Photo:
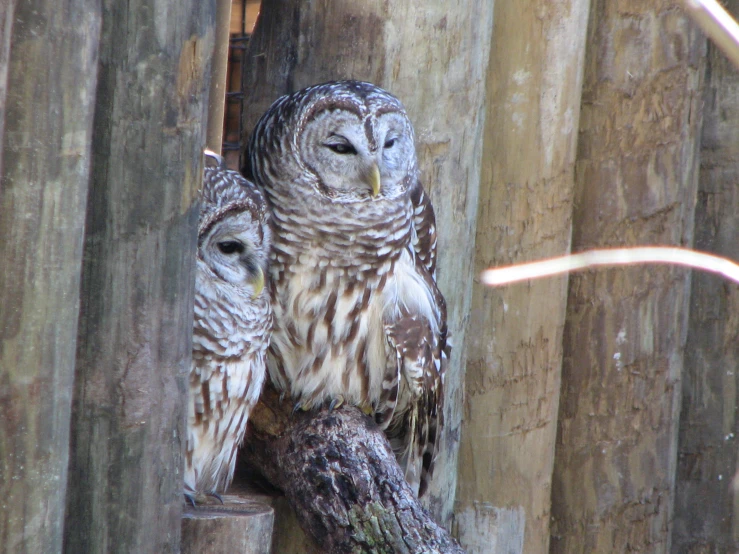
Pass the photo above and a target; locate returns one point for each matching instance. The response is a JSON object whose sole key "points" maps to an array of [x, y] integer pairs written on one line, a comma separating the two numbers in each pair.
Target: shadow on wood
{"points": [[340, 476]]}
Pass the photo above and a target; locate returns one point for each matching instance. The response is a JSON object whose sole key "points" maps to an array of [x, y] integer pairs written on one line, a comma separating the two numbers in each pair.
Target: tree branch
{"points": [[341, 478]]}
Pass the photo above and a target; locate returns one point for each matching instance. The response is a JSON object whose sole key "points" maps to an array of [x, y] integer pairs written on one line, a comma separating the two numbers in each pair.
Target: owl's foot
{"points": [[299, 406], [336, 403], [196, 498]]}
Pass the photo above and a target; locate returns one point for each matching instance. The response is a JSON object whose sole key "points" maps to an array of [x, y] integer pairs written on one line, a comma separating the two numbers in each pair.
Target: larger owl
{"points": [[358, 315], [232, 326]]}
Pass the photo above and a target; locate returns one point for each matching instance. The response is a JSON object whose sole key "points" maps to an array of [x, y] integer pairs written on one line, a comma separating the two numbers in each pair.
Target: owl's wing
{"points": [[418, 400], [424, 228]]}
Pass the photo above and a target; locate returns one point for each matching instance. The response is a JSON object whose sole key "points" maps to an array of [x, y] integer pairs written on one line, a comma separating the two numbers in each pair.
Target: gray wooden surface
{"points": [[48, 69], [133, 356], [706, 514]]}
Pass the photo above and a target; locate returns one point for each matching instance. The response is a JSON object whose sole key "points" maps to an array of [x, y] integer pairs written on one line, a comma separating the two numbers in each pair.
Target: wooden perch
{"points": [[341, 478]]}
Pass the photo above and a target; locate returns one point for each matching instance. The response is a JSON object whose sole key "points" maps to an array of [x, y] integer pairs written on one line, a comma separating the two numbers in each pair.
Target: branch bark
{"points": [[341, 478]]}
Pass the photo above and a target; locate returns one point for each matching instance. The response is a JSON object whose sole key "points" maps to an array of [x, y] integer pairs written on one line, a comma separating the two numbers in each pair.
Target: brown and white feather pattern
{"points": [[358, 314], [232, 326]]}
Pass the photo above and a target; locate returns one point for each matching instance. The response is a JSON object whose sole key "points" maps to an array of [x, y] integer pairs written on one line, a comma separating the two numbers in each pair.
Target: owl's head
{"points": [[233, 231], [352, 141]]}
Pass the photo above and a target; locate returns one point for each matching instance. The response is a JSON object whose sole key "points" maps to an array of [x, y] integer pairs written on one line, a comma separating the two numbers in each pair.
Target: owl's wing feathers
{"points": [[412, 410], [424, 228], [411, 405]]}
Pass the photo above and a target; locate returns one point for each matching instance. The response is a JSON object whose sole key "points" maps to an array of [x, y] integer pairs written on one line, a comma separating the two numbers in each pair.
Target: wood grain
{"points": [[48, 71], [134, 345], [624, 340]]}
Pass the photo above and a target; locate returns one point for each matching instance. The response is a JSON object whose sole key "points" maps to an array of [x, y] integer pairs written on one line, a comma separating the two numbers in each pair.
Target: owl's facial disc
{"points": [[230, 253], [355, 159]]}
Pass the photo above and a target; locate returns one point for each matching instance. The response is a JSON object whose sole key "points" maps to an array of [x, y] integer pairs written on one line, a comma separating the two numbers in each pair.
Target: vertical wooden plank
{"points": [[514, 360], [217, 95], [625, 334], [706, 509], [48, 69], [433, 56], [138, 275]]}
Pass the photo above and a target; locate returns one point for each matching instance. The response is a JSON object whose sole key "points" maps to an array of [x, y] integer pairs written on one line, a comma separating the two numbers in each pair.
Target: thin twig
{"points": [[612, 257], [716, 22]]}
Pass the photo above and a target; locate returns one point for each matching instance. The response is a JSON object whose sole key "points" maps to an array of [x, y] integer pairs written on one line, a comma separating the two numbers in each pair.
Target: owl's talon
{"points": [[214, 494], [189, 497], [298, 406], [335, 403]]}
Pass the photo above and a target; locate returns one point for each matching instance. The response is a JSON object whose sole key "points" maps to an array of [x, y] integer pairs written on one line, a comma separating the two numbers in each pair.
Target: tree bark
{"points": [[48, 70], [433, 56], [625, 334], [707, 449], [135, 329], [515, 355], [340, 476]]}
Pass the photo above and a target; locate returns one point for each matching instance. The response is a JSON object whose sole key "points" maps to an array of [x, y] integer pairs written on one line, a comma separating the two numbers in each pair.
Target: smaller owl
{"points": [[232, 326]]}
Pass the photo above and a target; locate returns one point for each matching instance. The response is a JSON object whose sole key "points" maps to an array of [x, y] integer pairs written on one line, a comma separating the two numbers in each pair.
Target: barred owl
{"points": [[232, 326], [358, 315]]}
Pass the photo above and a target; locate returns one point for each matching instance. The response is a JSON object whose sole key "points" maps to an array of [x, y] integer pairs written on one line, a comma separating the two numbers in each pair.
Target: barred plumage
{"points": [[232, 326], [358, 315]]}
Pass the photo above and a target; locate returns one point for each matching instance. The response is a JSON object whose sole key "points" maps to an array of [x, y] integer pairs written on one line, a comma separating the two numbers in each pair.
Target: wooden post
{"points": [[48, 70], [134, 346], [515, 354], [706, 511], [217, 95], [433, 56], [240, 525], [625, 334]]}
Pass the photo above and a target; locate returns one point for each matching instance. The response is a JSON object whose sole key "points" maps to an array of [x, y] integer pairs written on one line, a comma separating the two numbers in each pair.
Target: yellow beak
{"points": [[257, 282], [373, 179]]}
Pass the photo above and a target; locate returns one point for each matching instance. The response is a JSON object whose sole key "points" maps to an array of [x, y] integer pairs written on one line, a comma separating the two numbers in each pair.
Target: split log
{"points": [[340, 476]]}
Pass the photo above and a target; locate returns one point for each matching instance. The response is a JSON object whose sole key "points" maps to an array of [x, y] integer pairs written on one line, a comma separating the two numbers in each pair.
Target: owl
{"points": [[232, 326], [358, 315]]}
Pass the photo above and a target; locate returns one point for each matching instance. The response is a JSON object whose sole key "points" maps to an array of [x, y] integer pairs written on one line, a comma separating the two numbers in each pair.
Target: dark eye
{"points": [[389, 143], [341, 148], [231, 247]]}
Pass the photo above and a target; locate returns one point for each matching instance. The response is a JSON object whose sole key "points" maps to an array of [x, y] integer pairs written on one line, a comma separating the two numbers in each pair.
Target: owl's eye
{"points": [[389, 143], [341, 147], [231, 247]]}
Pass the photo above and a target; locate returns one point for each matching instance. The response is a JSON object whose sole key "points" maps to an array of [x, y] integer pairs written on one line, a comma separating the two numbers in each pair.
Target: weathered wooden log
{"points": [[48, 71], [515, 357], [340, 476], [707, 458], [624, 338], [135, 326]]}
